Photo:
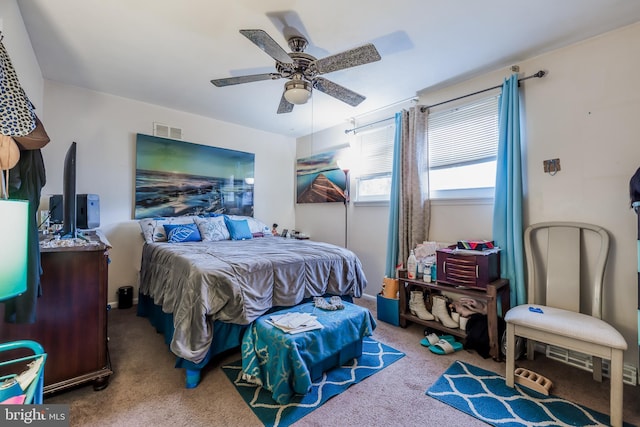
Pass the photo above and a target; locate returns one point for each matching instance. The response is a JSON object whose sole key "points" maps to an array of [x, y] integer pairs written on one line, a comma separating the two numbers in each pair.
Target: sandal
{"points": [[432, 338], [445, 347]]}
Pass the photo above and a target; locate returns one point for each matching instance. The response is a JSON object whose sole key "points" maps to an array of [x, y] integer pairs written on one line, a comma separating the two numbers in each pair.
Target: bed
{"points": [[203, 292]]}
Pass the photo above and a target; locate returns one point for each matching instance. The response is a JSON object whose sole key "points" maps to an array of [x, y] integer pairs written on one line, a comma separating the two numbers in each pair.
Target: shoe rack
{"points": [[494, 293]]}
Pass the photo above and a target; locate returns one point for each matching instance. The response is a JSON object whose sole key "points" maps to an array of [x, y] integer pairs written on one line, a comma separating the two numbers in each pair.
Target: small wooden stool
{"points": [[532, 380]]}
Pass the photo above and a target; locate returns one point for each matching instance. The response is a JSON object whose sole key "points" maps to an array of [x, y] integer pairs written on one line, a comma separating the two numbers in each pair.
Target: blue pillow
{"points": [[238, 229], [178, 233]]}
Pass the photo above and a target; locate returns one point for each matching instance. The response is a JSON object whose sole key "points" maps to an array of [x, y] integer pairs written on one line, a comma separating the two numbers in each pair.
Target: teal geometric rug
{"points": [[485, 396], [375, 357]]}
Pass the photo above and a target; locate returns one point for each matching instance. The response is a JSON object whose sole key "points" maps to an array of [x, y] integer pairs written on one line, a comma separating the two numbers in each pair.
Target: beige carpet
{"points": [[146, 390]]}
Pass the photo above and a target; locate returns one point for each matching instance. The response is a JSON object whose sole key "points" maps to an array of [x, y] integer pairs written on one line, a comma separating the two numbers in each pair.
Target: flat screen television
{"points": [[69, 230]]}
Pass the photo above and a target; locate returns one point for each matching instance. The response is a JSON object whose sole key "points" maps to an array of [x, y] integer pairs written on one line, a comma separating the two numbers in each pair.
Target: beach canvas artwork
{"points": [[175, 178], [319, 179]]}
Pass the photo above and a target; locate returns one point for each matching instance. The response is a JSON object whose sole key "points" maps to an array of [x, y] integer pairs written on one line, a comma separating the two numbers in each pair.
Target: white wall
{"points": [[585, 112], [105, 127], [16, 41]]}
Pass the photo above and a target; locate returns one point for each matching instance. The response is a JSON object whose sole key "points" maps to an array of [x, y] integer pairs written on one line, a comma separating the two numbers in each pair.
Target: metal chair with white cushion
{"points": [[561, 256]]}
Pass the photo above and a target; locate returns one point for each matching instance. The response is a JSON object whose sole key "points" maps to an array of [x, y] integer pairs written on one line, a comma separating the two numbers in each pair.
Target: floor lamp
{"points": [[14, 229], [342, 165]]}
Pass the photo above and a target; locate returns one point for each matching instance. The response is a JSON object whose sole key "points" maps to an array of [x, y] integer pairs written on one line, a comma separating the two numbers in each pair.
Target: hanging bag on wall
{"points": [[35, 140], [16, 111]]}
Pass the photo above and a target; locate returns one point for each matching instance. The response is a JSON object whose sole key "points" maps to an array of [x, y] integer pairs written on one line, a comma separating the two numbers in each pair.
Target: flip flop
{"points": [[432, 338], [445, 347]]}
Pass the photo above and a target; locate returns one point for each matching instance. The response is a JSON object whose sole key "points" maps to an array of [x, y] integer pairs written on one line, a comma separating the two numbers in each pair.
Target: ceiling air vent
{"points": [[166, 131]]}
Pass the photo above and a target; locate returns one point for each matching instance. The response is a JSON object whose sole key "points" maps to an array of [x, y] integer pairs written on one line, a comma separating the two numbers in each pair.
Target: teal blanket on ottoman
{"points": [[286, 364]]}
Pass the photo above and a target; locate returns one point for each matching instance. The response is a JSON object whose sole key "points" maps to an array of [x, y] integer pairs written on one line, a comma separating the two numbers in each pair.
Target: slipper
{"points": [[432, 338], [445, 347]]}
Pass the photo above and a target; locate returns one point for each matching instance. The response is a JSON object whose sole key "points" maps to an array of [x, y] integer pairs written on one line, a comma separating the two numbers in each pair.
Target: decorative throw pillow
{"points": [[153, 228], [238, 229], [212, 229], [178, 233], [255, 225]]}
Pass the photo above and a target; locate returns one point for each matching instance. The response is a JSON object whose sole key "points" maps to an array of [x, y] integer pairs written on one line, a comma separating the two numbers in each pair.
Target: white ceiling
{"points": [[165, 52]]}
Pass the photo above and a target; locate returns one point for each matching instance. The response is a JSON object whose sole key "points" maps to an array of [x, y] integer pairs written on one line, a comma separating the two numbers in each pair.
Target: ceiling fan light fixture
{"points": [[297, 91]]}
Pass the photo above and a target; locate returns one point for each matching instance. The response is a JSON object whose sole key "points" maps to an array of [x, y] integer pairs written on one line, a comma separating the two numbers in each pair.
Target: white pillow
{"points": [[255, 225], [212, 229], [153, 228]]}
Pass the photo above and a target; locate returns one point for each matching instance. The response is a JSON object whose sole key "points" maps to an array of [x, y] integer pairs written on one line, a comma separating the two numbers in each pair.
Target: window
{"points": [[373, 182], [463, 146]]}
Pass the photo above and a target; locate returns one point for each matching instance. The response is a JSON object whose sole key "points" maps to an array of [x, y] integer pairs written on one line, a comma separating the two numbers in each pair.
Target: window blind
{"points": [[464, 135], [376, 151]]}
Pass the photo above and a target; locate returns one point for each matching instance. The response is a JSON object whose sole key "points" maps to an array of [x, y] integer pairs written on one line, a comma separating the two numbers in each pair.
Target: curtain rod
{"points": [[539, 74], [352, 119], [424, 108], [368, 124], [393, 104]]}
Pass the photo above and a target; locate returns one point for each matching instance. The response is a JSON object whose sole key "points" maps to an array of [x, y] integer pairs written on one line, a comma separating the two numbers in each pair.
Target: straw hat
{"points": [[9, 152]]}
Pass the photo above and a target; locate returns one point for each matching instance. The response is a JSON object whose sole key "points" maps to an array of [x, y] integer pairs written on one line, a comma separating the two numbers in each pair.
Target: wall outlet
{"points": [[551, 166]]}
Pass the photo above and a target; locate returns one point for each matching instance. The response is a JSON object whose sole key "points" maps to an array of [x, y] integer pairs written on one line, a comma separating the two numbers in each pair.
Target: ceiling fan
{"points": [[304, 70]]}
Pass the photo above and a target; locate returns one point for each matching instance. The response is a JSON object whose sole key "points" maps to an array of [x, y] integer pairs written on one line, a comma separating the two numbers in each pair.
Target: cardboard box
{"points": [[390, 288], [389, 310]]}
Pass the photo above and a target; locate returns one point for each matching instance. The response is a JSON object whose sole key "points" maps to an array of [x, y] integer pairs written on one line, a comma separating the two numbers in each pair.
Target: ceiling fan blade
{"points": [[228, 81], [285, 106], [264, 41], [337, 91], [347, 59]]}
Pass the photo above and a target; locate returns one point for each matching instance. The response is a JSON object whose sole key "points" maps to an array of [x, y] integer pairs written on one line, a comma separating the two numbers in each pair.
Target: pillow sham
{"points": [[238, 229], [212, 229], [179, 233], [153, 228]]}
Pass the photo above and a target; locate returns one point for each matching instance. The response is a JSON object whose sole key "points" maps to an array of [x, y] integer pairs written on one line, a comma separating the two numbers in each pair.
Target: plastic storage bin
{"points": [[389, 310], [34, 392]]}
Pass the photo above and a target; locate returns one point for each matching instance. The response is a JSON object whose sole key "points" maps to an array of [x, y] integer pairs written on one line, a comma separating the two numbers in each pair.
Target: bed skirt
{"points": [[227, 336]]}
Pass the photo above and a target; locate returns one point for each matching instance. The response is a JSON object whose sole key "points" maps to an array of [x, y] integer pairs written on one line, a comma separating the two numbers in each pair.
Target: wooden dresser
{"points": [[71, 321]]}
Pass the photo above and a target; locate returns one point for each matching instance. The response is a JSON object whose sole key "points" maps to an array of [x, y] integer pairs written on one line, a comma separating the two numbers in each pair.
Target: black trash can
{"points": [[125, 297]]}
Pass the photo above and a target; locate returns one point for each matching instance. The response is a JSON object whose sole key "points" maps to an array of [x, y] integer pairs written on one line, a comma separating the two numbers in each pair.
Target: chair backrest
{"points": [[562, 258]]}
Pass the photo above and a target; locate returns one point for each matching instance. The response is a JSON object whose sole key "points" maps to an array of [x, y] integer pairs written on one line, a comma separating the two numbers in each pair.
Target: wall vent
{"points": [[166, 131], [583, 361]]}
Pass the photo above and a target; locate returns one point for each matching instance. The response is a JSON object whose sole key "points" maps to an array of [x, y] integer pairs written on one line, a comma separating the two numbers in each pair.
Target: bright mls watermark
{"points": [[34, 415]]}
